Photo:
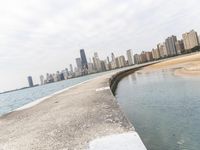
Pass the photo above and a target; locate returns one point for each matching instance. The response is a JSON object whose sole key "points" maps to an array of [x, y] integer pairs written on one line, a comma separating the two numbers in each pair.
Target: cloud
{"points": [[39, 36]]}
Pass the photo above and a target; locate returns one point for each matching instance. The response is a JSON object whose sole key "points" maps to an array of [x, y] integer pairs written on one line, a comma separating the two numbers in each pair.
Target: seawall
{"points": [[83, 117], [115, 79]]}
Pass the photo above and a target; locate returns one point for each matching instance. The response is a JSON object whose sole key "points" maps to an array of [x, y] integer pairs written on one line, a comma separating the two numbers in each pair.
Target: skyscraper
{"points": [[97, 62], [41, 79], [180, 47], [109, 63], [113, 62], [143, 57], [96, 55], [137, 59], [83, 59], [155, 53], [103, 65], [190, 40], [91, 68], [71, 68], [170, 43], [30, 81], [149, 56], [130, 57], [122, 61], [162, 50], [78, 63]]}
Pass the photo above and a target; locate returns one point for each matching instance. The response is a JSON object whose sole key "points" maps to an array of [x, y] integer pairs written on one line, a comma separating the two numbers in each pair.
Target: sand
{"points": [[185, 66]]}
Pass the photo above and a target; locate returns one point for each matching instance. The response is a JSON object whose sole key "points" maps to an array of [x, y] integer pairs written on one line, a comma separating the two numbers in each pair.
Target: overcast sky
{"points": [[40, 36]]}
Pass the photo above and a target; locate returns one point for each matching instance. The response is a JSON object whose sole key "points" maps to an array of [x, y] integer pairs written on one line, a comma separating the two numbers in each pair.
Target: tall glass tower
{"points": [[83, 59], [30, 81]]}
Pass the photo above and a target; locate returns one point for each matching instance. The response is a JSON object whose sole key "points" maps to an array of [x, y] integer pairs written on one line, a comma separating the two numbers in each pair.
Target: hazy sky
{"points": [[40, 36]]}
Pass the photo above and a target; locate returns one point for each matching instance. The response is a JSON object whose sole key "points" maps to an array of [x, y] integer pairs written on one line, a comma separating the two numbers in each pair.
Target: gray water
{"points": [[13, 100], [163, 108]]}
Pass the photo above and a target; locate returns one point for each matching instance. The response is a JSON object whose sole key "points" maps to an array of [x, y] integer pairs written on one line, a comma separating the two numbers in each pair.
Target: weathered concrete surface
{"points": [[69, 120], [65, 121]]}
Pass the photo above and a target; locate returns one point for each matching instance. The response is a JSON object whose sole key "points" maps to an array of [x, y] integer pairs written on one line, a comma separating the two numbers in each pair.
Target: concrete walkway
{"points": [[69, 120], [65, 121]]}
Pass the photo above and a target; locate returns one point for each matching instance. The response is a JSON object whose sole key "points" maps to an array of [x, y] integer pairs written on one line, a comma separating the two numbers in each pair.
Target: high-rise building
{"points": [[108, 60], [155, 53], [78, 63], [71, 68], [62, 76], [130, 57], [91, 68], [41, 79], [113, 62], [199, 39], [137, 59], [117, 63], [162, 50], [143, 57], [58, 76], [54, 78], [103, 65], [97, 62], [190, 40], [180, 46], [109, 63], [149, 56], [96, 55], [83, 60], [30, 81], [171, 46], [78, 72], [67, 71], [122, 61]]}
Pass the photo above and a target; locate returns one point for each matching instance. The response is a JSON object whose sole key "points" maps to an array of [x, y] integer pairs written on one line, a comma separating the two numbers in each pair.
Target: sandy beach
{"points": [[185, 66]]}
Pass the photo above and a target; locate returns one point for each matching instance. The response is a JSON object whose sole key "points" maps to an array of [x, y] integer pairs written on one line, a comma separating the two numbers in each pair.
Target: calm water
{"points": [[11, 101], [164, 109]]}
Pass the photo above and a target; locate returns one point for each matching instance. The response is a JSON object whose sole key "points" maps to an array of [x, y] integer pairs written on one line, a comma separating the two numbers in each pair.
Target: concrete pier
{"points": [[81, 117]]}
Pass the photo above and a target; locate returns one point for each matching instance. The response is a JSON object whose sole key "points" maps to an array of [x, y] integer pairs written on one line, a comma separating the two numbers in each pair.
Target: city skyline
{"points": [[169, 48], [37, 43]]}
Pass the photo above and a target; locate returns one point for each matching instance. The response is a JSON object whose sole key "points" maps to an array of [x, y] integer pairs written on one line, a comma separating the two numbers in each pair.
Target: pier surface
{"points": [[73, 119]]}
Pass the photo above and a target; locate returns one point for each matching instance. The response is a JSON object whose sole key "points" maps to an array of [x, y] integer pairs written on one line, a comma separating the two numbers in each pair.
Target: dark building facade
{"points": [[170, 43], [83, 59], [30, 81]]}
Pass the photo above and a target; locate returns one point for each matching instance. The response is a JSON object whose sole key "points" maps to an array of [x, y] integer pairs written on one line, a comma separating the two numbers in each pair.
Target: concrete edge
{"points": [[138, 144], [117, 77], [123, 141]]}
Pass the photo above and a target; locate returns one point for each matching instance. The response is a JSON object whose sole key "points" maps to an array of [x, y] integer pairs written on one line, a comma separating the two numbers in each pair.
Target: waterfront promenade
{"points": [[73, 119], [86, 116]]}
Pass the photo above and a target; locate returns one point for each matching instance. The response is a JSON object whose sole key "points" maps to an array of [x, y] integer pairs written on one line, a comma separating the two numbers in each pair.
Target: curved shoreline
{"points": [[87, 110], [82, 114], [37, 101], [81, 117]]}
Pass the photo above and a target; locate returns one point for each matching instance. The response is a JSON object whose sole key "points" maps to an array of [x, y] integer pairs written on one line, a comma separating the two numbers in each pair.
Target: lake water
{"points": [[13, 100], [163, 108]]}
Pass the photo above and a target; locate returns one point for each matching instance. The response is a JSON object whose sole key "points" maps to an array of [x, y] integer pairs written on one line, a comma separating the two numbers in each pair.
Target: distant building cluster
{"points": [[169, 48], [85, 67]]}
